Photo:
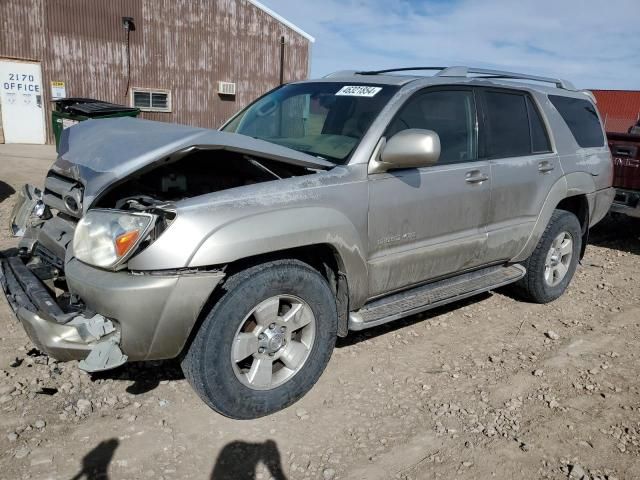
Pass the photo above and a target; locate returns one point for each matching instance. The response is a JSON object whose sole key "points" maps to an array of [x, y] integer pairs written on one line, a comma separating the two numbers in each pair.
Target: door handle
{"points": [[475, 176], [545, 166]]}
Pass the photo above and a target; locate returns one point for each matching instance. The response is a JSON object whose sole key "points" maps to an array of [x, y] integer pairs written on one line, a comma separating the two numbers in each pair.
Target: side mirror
{"points": [[410, 148]]}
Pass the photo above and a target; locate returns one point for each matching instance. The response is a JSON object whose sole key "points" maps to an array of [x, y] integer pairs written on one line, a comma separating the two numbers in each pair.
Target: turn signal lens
{"points": [[125, 242]]}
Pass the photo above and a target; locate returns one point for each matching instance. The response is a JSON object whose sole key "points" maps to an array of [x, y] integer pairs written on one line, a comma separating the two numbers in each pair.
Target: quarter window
{"points": [[449, 113], [581, 118], [539, 138]]}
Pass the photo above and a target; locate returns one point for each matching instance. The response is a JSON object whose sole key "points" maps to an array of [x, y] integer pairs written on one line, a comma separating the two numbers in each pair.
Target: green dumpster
{"points": [[69, 111]]}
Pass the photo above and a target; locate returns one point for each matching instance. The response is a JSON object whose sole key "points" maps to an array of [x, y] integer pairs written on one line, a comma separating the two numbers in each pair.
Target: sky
{"points": [[592, 43]]}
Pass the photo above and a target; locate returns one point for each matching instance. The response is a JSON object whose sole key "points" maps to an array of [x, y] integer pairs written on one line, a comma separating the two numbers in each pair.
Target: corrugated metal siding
{"points": [[178, 45], [619, 109]]}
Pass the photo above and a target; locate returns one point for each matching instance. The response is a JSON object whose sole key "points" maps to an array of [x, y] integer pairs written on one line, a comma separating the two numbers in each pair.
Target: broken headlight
{"points": [[106, 238]]}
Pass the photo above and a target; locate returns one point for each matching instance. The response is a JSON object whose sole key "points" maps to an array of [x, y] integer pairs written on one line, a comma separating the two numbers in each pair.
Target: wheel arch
{"points": [[571, 193]]}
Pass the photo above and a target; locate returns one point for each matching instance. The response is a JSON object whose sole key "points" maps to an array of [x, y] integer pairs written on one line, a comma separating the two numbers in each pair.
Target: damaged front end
{"points": [[109, 196], [64, 335]]}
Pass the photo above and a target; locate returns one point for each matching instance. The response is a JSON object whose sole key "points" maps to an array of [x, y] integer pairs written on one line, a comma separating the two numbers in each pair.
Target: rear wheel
{"points": [[265, 342], [552, 264]]}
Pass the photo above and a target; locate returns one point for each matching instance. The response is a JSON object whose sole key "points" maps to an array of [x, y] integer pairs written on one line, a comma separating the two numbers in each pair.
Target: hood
{"points": [[98, 153]]}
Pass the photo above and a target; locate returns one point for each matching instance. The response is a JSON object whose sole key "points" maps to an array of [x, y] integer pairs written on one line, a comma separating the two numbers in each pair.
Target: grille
{"points": [[63, 194]]}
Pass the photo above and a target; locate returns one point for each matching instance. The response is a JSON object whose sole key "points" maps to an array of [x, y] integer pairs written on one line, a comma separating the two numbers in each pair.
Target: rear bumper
{"points": [[627, 202], [599, 204]]}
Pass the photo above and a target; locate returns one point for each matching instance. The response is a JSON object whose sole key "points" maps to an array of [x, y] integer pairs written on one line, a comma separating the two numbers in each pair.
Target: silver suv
{"points": [[325, 206]]}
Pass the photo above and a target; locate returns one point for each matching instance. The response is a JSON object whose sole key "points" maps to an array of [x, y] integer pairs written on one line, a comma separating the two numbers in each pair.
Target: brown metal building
{"points": [[171, 60]]}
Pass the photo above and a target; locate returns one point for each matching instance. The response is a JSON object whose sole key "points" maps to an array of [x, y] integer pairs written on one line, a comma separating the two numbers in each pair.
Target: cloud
{"points": [[593, 43]]}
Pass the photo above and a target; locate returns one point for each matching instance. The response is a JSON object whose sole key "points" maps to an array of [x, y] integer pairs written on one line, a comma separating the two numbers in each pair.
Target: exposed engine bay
{"points": [[54, 214], [191, 174]]}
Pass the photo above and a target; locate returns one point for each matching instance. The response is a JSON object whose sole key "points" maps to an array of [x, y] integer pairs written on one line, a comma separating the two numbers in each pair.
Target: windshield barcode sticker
{"points": [[358, 91]]}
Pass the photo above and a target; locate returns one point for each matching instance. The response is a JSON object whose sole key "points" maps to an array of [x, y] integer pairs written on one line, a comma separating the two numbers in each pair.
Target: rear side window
{"points": [[506, 125], [581, 118]]}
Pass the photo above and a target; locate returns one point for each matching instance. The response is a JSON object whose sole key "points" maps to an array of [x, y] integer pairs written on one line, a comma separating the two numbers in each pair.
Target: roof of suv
{"points": [[448, 75]]}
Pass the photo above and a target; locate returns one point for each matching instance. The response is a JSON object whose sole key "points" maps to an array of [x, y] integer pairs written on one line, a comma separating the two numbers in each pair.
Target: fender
{"points": [[576, 183], [268, 232]]}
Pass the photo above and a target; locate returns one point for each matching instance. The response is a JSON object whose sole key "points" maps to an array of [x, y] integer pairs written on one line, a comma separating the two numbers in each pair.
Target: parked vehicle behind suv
{"points": [[323, 207], [625, 148]]}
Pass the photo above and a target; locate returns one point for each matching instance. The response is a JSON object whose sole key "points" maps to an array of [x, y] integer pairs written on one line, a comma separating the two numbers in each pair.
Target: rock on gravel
{"points": [[21, 452], [552, 335], [577, 472], [84, 407], [7, 390], [329, 474]]}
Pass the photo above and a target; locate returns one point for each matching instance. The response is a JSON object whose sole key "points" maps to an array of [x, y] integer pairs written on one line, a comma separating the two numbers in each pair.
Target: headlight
{"points": [[105, 238]]}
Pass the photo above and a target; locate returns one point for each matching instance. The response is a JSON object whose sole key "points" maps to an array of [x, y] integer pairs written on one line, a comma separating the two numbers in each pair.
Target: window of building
{"points": [[149, 100], [449, 113], [581, 118]]}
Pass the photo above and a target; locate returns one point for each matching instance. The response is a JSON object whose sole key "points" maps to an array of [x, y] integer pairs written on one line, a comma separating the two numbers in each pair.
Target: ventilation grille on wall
{"points": [[226, 88]]}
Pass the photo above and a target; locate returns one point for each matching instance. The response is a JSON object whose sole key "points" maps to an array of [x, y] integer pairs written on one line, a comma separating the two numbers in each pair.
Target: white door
{"points": [[21, 102]]}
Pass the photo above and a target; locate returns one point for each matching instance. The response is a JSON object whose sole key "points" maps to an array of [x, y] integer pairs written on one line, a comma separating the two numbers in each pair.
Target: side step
{"points": [[433, 295]]}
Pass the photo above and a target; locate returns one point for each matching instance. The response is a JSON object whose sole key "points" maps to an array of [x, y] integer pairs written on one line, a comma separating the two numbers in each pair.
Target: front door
{"points": [[430, 222], [21, 102]]}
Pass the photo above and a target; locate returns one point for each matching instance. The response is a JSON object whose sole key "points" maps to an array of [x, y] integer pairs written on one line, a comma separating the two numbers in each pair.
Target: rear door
{"points": [[515, 141], [429, 222]]}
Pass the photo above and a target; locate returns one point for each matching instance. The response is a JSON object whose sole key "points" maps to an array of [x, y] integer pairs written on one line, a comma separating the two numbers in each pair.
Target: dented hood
{"points": [[98, 153]]}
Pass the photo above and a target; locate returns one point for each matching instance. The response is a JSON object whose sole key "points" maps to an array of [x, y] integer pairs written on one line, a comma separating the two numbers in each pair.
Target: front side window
{"points": [[449, 113], [581, 118], [325, 119]]}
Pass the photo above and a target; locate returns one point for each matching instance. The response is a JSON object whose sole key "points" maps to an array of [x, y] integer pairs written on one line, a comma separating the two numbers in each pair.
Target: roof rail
{"points": [[485, 72], [403, 69]]}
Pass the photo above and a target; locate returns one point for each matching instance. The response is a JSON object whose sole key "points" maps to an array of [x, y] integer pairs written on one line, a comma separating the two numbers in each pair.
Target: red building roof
{"points": [[619, 109]]}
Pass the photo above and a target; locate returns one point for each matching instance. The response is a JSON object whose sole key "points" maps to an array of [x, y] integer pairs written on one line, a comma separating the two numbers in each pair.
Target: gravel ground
{"points": [[489, 387]]}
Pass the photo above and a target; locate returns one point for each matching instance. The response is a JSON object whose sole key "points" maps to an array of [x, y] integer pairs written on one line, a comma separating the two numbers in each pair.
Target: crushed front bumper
{"points": [[63, 336]]}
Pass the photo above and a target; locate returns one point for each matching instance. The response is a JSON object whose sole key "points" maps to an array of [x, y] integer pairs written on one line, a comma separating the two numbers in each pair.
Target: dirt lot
{"points": [[486, 388]]}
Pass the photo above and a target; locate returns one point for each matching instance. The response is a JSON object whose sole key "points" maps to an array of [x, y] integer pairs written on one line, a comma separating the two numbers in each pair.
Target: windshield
{"points": [[324, 119]]}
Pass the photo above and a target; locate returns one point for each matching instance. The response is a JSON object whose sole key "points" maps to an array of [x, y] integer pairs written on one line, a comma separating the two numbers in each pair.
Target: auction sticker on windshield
{"points": [[358, 91]]}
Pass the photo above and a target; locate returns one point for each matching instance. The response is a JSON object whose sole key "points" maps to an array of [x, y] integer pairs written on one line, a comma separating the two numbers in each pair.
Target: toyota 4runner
{"points": [[323, 207]]}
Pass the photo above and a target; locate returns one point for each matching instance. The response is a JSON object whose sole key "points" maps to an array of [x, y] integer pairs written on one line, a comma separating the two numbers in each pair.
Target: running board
{"points": [[433, 295]]}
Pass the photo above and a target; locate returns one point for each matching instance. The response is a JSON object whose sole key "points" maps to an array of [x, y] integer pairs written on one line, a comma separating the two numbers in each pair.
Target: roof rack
{"points": [[485, 72]]}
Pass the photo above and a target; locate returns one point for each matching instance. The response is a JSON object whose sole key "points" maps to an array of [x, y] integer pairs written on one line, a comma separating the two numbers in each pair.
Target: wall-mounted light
{"points": [[128, 24]]}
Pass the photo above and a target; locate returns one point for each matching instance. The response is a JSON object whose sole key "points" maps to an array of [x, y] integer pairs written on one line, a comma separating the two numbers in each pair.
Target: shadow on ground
{"points": [[6, 191], [95, 464], [146, 376], [617, 232], [238, 461]]}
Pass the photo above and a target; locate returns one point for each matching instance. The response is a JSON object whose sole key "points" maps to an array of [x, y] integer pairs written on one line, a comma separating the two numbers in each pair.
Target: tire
{"points": [[249, 299], [540, 284]]}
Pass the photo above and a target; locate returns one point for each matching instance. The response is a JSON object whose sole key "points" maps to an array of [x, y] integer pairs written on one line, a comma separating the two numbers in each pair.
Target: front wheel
{"points": [[552, 264], [265, 342]]}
